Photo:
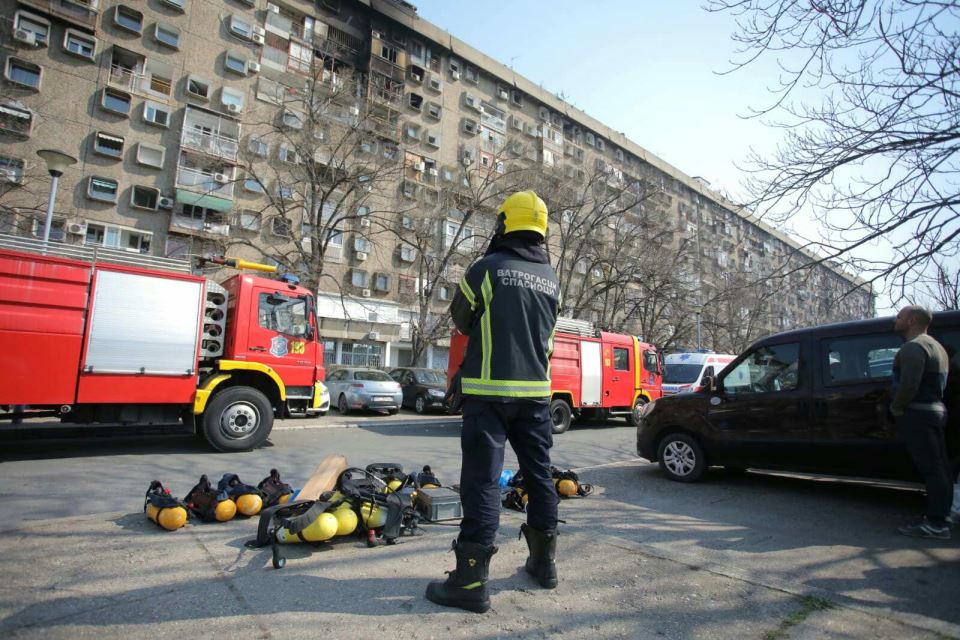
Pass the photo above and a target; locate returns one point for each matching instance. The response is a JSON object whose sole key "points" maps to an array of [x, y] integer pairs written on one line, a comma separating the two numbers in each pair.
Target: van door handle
{"points": [[615, 379], [258, 348]]}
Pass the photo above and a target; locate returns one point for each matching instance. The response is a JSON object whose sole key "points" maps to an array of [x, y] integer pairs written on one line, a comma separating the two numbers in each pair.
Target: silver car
{"points": [[356, 388]]}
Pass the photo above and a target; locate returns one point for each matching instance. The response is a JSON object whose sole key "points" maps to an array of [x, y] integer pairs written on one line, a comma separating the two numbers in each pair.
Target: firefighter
{"points": [[507, 304]]}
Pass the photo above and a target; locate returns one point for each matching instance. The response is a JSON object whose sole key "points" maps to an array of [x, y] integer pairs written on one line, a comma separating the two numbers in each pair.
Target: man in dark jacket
{"points": [[919, 378], [507, 304]]}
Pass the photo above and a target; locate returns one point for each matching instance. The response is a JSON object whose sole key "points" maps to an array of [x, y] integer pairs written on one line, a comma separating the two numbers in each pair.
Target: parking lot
{"points": [[747, 556]]}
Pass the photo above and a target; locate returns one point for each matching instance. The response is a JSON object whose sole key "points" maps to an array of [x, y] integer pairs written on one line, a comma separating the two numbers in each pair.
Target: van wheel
{"points": [[634, 418], [560, 415], [681, 457], [237, 419]]}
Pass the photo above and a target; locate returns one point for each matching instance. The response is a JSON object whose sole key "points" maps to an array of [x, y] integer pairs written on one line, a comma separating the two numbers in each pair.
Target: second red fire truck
{"points": [[594, 374]]}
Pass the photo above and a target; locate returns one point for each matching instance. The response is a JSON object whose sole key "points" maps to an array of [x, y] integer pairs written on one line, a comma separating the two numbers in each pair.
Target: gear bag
{"points": [[203, 500], [162, 508], [274, 490]]}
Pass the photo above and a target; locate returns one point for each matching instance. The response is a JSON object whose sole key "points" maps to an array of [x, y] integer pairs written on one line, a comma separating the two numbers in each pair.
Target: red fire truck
{"points": [[111, 337], [594, 374]]}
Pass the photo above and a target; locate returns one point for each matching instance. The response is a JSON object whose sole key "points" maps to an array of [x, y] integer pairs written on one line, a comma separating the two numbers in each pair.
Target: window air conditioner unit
{"points": [[467, 161], [258, 38], [362, 255], [258, 31], [29, 37], [432, 171], [77, 228], [419, 166], [165, 203], [222, 178], [272, 8], [9, 175], [365, 293], [234, 108], [364, 223], [373, 335], [455, 75], [253, 67]]}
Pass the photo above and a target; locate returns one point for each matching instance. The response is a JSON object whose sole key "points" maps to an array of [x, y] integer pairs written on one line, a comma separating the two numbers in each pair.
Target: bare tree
{"points": [[447, 230], [318, 171], [941, 288], [876, 159]]}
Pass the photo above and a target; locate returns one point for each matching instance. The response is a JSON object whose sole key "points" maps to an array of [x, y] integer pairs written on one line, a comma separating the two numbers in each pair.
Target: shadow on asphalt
{"points": [[849, 529]]}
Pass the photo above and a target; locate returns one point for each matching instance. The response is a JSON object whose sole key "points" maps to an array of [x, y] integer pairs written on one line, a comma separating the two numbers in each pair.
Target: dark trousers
{"points": [[923, 433], [486, 428]]}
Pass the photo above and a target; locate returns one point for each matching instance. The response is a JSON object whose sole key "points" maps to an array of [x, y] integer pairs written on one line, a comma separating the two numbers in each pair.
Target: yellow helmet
{"points": [[524, 211]]}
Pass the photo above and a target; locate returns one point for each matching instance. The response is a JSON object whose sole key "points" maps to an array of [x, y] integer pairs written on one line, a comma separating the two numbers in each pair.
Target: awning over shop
{"points": [[204, 200]]}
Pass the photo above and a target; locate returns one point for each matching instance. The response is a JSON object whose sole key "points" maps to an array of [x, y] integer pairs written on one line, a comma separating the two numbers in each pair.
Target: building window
{"points": [[156, 114], [516, 98], [285, 191], [241, 28], [445, 292], [381, 282], [116, 101], [249, 220], [31, 28], [408, 253], [167, 35], [253, 185], [150, 155], [415, 100], [292, 119], [258, 146], [235, 62], [198, 88], [362, 355], [412, 132], [231, 99], [79, 44], [434, 111], [128, 19], [102, 189], [58, 231], [288, 154], [470, 74], [142, 197], [108, 145], [117, 238], [23, 73], [11, 170], [177, 5], [15, 120], [359, 278]]}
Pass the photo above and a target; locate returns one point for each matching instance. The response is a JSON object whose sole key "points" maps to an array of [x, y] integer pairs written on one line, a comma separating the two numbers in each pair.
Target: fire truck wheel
{"points": [[237, 419], [681, 457], [560, 415], [634, 419]]}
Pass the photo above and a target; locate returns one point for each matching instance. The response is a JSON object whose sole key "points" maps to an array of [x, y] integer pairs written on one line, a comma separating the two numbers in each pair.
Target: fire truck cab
{"points": [[593, 374], [109, 337]]}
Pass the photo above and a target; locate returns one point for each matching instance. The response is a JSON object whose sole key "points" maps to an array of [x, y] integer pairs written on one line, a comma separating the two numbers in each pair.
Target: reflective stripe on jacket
{"points": [[508, 308]]}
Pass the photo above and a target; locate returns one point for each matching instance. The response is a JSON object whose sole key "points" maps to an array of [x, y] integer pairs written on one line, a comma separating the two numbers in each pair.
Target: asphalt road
{"points": [[44, 479], [736, 556]]}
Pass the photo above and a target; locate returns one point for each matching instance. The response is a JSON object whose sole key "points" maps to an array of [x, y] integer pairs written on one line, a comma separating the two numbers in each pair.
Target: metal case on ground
{"points": [[439, 504]]}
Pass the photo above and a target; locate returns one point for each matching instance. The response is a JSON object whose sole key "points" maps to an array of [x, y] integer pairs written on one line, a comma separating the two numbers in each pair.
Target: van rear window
{"points": [[858, 358]]}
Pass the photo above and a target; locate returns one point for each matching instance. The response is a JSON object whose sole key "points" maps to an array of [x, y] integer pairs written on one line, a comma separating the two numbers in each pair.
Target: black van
{"points": [[811, 400]]}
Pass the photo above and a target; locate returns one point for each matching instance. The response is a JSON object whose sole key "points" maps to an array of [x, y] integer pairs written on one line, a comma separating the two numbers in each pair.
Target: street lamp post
{"points": [[57, 162]]}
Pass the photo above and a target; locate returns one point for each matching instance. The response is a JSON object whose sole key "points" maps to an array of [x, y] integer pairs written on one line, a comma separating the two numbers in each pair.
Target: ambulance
{"points": [[685, 371]]}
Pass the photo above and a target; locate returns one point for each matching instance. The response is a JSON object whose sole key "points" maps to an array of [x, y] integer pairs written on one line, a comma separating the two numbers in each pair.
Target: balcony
{"points": [[205, 227], [137, 82], [204, 181], [210, 134], [79, 12], [216, 145]]}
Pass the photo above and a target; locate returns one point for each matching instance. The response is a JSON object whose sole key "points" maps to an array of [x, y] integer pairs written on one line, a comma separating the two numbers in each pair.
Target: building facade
{"points": [[179, 114]]}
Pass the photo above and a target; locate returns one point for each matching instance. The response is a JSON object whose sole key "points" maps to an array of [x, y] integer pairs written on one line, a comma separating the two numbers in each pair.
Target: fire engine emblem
{"points": [[278, 346]]}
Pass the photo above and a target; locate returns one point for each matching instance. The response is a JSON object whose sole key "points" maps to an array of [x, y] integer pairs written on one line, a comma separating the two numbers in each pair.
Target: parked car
{"points": [[810, 400], [686, 371], [358, 388], [423, 389]]}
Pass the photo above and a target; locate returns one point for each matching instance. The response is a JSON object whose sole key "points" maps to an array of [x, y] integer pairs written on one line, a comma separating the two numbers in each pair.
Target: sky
{"points": [[653, 70]]}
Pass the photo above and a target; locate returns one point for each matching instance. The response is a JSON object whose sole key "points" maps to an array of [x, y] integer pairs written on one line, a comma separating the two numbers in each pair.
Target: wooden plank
{"points": [[324, 478]]}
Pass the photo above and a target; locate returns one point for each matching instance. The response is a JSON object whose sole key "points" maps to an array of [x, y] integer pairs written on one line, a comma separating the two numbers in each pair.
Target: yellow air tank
{"points": [[373, 516], [249, 504], [225, 510], [170, 518], [567, 488], [323, 528], [346, 521]]}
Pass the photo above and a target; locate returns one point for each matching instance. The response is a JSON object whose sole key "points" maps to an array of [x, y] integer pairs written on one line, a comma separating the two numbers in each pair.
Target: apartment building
{"points": [[171, 108]]}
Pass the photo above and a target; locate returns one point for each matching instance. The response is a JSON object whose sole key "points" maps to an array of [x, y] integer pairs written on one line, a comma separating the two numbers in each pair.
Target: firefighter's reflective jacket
{"points": [[507, 304]]}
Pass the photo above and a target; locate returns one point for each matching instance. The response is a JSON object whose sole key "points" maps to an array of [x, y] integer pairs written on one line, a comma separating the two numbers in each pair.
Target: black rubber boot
{"points": [[465, 586], [543, 553]]}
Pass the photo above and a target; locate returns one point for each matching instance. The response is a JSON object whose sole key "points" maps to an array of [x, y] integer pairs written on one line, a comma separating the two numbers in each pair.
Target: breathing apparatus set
{"points": [[377, 504], [214, 504], [568, 485]]}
